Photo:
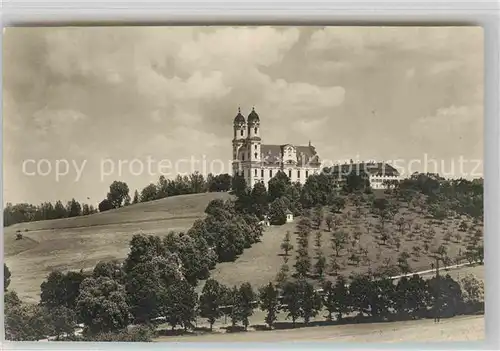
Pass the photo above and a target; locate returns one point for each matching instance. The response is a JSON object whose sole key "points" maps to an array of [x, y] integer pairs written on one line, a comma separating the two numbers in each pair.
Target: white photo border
{"points": [[392, 12]]}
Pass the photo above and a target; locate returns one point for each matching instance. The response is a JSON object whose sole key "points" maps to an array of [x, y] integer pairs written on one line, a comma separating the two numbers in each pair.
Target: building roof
{"points": [[371, 168], [253, 116], [239, 119], [273, 155]]}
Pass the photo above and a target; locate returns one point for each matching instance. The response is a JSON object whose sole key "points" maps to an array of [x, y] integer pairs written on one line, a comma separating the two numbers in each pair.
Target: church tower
{"points": [[254, 144], [239, 137]]}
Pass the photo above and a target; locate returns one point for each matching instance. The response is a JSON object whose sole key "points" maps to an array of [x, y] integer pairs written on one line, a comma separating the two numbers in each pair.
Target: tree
{"points": [[59, 210], [111, 269], [86, 210], [239, 185], [26, 322], [210, 301], [277, 211], [149, 193], [412, 297], [269, 302], [179, 304], [356, 180], [338, 203], [278, 186], [220, 182], [317, 217], [339, 239], [291, 302], [473, 292], [403, 264], [360, 293], [329, 222], [126, 201], [102, 305], [320, 265], [246, 297], [118, 191], [282, 275], [63, 321], [6, 277], [286, 246], [259, 200], [61, 289], [147, 284], [303, 261], [310, 301], [197, 183], [105, 205], [74, 209], [136, 197], [336, 298], [447, 293]]}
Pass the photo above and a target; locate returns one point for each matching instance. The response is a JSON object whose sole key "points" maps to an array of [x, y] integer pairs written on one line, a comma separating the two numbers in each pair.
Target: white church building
{"points": [[259, 162]]}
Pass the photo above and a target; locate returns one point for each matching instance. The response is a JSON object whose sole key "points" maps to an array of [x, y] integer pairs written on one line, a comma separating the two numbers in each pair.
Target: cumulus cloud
{"points": [[460, 126], [172, 92]]}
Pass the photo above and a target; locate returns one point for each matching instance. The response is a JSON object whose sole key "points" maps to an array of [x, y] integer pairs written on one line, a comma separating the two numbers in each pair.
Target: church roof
{"points": [[253, 117], [373, 168], [273, 155], [239, 119]]}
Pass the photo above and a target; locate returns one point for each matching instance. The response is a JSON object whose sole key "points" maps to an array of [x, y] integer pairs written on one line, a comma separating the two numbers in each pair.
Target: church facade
{"points": [[259, 162]]}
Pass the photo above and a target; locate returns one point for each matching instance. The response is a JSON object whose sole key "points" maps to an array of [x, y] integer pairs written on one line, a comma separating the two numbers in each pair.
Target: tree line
{"points": [[118, 196], [106, 302], [157, 278]]}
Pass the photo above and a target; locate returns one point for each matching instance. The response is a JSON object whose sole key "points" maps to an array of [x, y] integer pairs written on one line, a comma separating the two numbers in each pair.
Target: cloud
{"points": [[453, 130], [172, 92], [50, 122], [362, 40], [243, 47]]}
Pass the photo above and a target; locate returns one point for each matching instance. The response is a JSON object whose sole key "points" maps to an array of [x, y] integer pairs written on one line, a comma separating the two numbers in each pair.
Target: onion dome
{"points": [[239, 119], [253, 117]]}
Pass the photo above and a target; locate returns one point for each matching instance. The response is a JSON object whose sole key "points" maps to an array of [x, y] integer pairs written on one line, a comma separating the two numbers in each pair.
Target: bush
{"points": [[134, 334]]}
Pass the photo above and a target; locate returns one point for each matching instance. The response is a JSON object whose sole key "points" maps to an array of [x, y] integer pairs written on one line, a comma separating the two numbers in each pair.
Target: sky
{"points": [[84, 106]]}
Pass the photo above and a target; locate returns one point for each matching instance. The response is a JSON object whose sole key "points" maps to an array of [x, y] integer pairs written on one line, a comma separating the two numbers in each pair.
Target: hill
{"points": [[80, 242], [410, 228]]}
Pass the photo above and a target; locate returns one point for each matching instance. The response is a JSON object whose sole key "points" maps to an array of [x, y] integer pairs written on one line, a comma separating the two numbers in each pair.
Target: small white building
{"points": [[289, 216], [265, 222]]}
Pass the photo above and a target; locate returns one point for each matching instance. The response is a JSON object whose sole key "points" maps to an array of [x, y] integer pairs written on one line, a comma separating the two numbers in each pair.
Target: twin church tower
{"points": [[259, 162]]}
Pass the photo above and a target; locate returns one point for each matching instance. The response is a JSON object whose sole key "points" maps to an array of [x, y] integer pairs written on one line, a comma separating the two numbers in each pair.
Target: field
{"points": [[468, 328], [80, 242]]}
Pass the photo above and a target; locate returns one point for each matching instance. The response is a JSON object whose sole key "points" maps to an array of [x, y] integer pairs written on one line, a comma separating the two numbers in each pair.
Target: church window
{"points": [[307, 174], [255, 155], [243, 157], [298, 174], [255, 147], [256, 172], [255, 130], [270, 173], [262, 173], [241, 132], [290, 174]]}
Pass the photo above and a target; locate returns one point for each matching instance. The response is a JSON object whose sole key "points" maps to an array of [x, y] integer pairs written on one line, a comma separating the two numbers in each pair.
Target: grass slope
{"points": [[81, 242], [260, 264]]}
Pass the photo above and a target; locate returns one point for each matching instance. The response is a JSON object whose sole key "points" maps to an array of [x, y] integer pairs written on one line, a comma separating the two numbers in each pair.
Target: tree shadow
{"points": [[234, 329]]}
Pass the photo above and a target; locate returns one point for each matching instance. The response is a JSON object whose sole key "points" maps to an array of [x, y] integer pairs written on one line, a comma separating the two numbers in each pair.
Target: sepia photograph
{"points": [[243, 183]]}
